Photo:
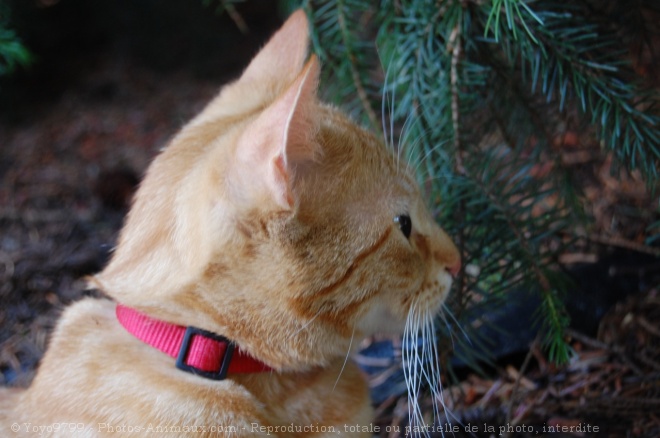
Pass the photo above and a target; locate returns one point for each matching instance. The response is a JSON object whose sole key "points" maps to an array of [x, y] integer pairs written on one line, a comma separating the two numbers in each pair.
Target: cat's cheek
{"points": [[442, 287], [380, 319], [433, 292]]}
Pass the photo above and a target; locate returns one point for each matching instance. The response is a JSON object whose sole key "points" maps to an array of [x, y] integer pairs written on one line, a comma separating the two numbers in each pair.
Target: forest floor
{"points": [[69, 166]]}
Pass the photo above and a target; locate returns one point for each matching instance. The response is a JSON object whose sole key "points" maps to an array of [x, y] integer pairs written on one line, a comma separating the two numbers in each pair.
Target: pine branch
{"points": [[564, 53], [229, 7], [477, 92], [454, 46], [355, 74], [508, 232], [654, 231], [13, 53], [347, 51]]}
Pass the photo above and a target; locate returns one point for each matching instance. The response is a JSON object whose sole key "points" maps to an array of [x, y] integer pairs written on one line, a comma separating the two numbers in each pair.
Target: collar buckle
{"points": [[181, 364]]}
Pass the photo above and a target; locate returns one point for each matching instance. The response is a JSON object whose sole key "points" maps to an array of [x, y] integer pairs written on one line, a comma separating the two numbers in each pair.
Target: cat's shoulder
{"points": [[87, 315]]}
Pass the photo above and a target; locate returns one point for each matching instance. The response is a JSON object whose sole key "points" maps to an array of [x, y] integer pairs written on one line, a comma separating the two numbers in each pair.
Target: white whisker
{"points": [[420, 135], [458, 324], [383, 100], [413, 145], [449, 329], [348, 353], [304, 326], [392, 115], [411, 366], [428, 154], [421, 365], [401, 143]]}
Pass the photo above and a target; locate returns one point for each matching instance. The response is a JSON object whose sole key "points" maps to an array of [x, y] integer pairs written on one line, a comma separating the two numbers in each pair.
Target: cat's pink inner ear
{"points": [[284, 54], [282, 138]]}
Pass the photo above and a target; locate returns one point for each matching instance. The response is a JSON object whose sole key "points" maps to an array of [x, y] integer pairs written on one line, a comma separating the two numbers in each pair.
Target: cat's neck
{"points": [[248, 323]]}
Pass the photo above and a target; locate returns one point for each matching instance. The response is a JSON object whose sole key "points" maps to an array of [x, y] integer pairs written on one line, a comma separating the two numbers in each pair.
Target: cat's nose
{"points": [[447, 254], [454, 268]]}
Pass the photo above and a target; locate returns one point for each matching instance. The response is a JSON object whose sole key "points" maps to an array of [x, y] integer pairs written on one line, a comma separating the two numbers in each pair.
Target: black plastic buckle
{"points": [[185, 347]]}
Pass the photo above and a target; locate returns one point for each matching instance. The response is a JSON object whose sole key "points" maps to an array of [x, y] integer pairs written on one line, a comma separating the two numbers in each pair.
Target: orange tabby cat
{"points": [[274, 221]]}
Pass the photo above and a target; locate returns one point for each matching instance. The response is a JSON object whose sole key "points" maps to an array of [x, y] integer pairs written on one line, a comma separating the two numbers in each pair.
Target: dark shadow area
{"points": [[69, 38]]}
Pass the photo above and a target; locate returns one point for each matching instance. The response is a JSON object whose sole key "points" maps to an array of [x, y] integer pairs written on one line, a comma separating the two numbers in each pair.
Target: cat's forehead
{"points": [[367, 149]]}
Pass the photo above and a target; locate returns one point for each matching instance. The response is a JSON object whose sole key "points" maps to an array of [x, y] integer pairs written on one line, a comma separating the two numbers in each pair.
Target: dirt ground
{"points": [[70, 160]]}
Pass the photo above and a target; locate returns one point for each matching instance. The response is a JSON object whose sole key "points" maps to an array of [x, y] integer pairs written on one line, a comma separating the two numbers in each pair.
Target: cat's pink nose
{"points": [[454, 269]]}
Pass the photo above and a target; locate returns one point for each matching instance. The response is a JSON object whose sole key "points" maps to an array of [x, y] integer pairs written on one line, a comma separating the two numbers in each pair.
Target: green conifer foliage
{"points": [[12, 52], [472, 93]]}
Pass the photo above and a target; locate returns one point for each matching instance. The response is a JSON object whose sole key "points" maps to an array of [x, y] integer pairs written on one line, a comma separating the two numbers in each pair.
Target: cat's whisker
{"points": [[392, 115], [428, 334], [436, 384], [389, 110], [388, 102], [383, 100], [412, 147], [447, 310], [449, 329], [450, 417], [428, 154], [413, 365], [348, 353], [420, 135], [438, 396], [422, 364], [405, 129], [401, 143], [304, 326]]}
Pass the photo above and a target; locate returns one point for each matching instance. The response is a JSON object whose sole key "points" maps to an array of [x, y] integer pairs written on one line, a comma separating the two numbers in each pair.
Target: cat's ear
{"points": [[273, 69], [280, 140], [284, 54]]}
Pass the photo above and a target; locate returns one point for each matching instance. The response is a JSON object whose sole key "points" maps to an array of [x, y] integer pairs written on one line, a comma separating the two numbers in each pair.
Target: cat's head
{"points": [[274, 220]]}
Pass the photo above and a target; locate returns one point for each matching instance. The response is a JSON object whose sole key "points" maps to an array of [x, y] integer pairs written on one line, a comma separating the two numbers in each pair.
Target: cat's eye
{"points": [[405, 224]]}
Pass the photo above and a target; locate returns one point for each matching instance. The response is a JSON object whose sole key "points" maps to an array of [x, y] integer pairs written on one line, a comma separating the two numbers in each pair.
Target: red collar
{"points": [[196, 351]]}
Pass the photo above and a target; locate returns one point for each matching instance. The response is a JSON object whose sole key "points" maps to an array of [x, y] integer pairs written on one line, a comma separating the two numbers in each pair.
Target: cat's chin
{"points": [[380, 320]]}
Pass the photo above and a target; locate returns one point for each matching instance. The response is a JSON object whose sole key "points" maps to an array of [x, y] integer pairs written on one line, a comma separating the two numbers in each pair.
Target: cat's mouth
{"points": [[384, 319], [445, 280]]}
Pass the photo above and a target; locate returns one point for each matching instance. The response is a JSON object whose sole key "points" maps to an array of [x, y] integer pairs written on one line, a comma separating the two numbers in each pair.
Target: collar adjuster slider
{"points": [[181, 364]]}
